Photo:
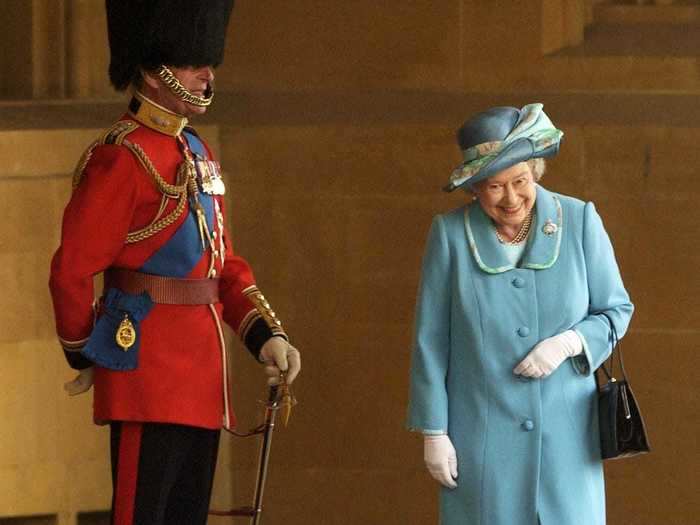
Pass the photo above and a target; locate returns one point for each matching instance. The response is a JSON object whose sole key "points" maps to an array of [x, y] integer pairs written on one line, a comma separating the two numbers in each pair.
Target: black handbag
{"points": [[622, 430]]}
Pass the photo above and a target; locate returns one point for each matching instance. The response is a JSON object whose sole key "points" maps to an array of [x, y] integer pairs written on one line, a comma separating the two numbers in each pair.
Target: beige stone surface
{"points": [[25, 303], [334, 45], [562, 24], [335, 144], [87, 51], [16, 59], [44, 152], [48, 44], [53, 458], [660, 365]]}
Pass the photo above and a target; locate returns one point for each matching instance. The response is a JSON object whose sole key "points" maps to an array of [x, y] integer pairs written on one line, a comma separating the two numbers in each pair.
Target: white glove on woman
{"points": [[81, 383], [441, 459], [280, 356], [549, 354]]}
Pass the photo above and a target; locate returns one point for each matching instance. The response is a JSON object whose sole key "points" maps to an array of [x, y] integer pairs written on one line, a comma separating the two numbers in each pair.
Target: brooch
{"points": [[549, 228]]}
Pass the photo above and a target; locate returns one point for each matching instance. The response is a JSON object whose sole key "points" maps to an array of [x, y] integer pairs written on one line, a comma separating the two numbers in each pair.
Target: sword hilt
{"points": [[272, 398]]}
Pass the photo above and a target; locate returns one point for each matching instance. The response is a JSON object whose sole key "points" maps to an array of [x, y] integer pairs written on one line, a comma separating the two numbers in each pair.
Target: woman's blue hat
{"points": [[499, 138]]}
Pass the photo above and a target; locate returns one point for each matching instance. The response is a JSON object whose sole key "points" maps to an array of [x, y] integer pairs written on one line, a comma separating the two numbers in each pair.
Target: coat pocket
{"points": [[114, 342]]}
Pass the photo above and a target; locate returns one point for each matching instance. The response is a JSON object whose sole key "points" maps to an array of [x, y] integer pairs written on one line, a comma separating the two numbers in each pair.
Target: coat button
{"points": [[523, 331], [528, 425], [518, 282]]}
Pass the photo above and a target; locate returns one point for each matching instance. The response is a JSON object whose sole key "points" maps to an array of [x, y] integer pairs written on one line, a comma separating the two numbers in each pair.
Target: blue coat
{"points": [[525, 448]]}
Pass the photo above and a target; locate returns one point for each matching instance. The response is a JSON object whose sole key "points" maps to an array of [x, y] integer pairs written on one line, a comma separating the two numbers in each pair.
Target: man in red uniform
{"points": [[147, 210]]}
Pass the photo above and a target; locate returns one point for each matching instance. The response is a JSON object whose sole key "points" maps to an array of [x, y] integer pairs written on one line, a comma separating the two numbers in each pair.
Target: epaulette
{"points": [[114, 135]]}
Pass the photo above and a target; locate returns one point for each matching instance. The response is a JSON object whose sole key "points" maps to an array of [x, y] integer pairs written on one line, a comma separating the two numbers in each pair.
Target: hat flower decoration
{"points": [[499, 138]]}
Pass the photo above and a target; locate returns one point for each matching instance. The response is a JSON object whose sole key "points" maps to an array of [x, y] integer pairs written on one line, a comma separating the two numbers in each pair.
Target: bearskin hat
{"points": [[149, 33]]}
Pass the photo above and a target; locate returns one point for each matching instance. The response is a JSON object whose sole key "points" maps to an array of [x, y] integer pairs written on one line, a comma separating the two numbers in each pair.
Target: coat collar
{"points": [[155, 116], [543, 243]]}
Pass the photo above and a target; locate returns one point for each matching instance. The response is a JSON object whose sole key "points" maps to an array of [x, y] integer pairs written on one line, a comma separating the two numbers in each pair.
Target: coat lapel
{"points": [[543, 244], [542, 249], [483, 243]]}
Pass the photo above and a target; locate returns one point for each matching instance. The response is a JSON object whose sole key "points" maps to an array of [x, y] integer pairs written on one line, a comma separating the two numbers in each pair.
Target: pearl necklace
{"points": [[522, 233]]}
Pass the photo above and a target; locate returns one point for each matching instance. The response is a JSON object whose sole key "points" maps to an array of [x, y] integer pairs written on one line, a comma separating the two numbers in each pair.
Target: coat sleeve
{"points": [[428, 404], [606, 294], [246, 310], [95, 225]]}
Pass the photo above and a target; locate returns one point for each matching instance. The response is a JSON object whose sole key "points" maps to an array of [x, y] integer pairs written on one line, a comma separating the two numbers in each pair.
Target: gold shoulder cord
{"points": [[169, 191], [114, 135], [117, 135]]}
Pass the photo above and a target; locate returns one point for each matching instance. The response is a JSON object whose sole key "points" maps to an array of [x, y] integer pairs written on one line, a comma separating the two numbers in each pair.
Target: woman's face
{"points": [[508, 196]]}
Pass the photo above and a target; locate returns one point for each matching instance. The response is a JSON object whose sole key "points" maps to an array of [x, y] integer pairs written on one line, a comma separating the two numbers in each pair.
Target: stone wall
{"points": [[335, 125]]}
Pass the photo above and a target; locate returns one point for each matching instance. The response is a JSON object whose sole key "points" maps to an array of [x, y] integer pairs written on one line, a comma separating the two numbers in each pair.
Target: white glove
{"points": [[549, 354], [280, 356], [440, 459], [81, 383]]}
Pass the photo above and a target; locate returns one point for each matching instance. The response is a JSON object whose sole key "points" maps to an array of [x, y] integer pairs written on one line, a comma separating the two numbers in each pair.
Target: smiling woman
{"points": [[509, 329], [508, 199]]}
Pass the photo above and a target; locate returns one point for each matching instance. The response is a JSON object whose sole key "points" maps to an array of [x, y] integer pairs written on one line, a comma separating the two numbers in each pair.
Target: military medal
{"points": [[210, 177], [549, 228], [126, 334]]}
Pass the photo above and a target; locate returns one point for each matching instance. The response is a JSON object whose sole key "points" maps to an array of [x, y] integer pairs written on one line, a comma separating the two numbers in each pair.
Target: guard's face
{"points": [[508, 196], [197, 80]]}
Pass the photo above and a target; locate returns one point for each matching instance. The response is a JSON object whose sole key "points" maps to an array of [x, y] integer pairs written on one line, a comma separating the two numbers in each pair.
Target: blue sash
{"points": [[176, 258]]}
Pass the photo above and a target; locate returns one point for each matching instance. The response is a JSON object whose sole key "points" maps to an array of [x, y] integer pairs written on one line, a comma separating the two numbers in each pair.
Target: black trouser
{"points": [[161, 473]]}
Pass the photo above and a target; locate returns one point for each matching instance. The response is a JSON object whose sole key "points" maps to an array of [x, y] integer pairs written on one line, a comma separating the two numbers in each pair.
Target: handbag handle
{"points": [[615, 340]]}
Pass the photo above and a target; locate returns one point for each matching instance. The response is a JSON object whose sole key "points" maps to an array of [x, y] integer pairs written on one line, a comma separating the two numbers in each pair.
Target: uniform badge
{"points": [[126, 334], [549, 227], [210, 177]]}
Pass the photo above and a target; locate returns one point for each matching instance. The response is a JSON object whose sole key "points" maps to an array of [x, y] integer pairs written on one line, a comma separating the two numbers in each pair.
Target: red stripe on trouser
{"points": [[127, 473]]}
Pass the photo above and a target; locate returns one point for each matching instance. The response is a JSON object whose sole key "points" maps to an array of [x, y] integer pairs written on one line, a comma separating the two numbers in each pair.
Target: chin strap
{"points": [[181, 91]]}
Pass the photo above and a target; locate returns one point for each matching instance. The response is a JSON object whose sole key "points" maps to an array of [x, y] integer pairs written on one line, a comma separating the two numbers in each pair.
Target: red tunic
{"points": [[181, 374]]}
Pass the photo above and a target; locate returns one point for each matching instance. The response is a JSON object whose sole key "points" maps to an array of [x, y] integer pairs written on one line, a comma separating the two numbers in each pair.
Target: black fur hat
{"points": [[150, 33]]}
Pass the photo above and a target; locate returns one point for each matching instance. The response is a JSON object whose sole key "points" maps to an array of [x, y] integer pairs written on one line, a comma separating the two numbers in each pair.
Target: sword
{"points": [[276, 398]]}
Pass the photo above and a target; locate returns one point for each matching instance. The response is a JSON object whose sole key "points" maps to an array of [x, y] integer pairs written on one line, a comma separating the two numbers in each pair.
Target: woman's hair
{"points": [[537, 166]]}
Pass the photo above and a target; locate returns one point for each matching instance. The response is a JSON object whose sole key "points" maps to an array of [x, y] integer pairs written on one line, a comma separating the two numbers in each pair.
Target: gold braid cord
{"points": [[181, 91], [262, 309], [80, 168], [116, 135], [168, 190]]}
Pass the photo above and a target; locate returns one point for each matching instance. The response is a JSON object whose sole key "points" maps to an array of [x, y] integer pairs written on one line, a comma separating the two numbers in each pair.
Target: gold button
{"points": [[278, 322], [272, 314], [266, 304]]}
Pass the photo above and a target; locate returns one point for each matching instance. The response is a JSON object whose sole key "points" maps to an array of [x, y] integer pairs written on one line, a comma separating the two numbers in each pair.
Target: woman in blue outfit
{"points": [[509, 334]]}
